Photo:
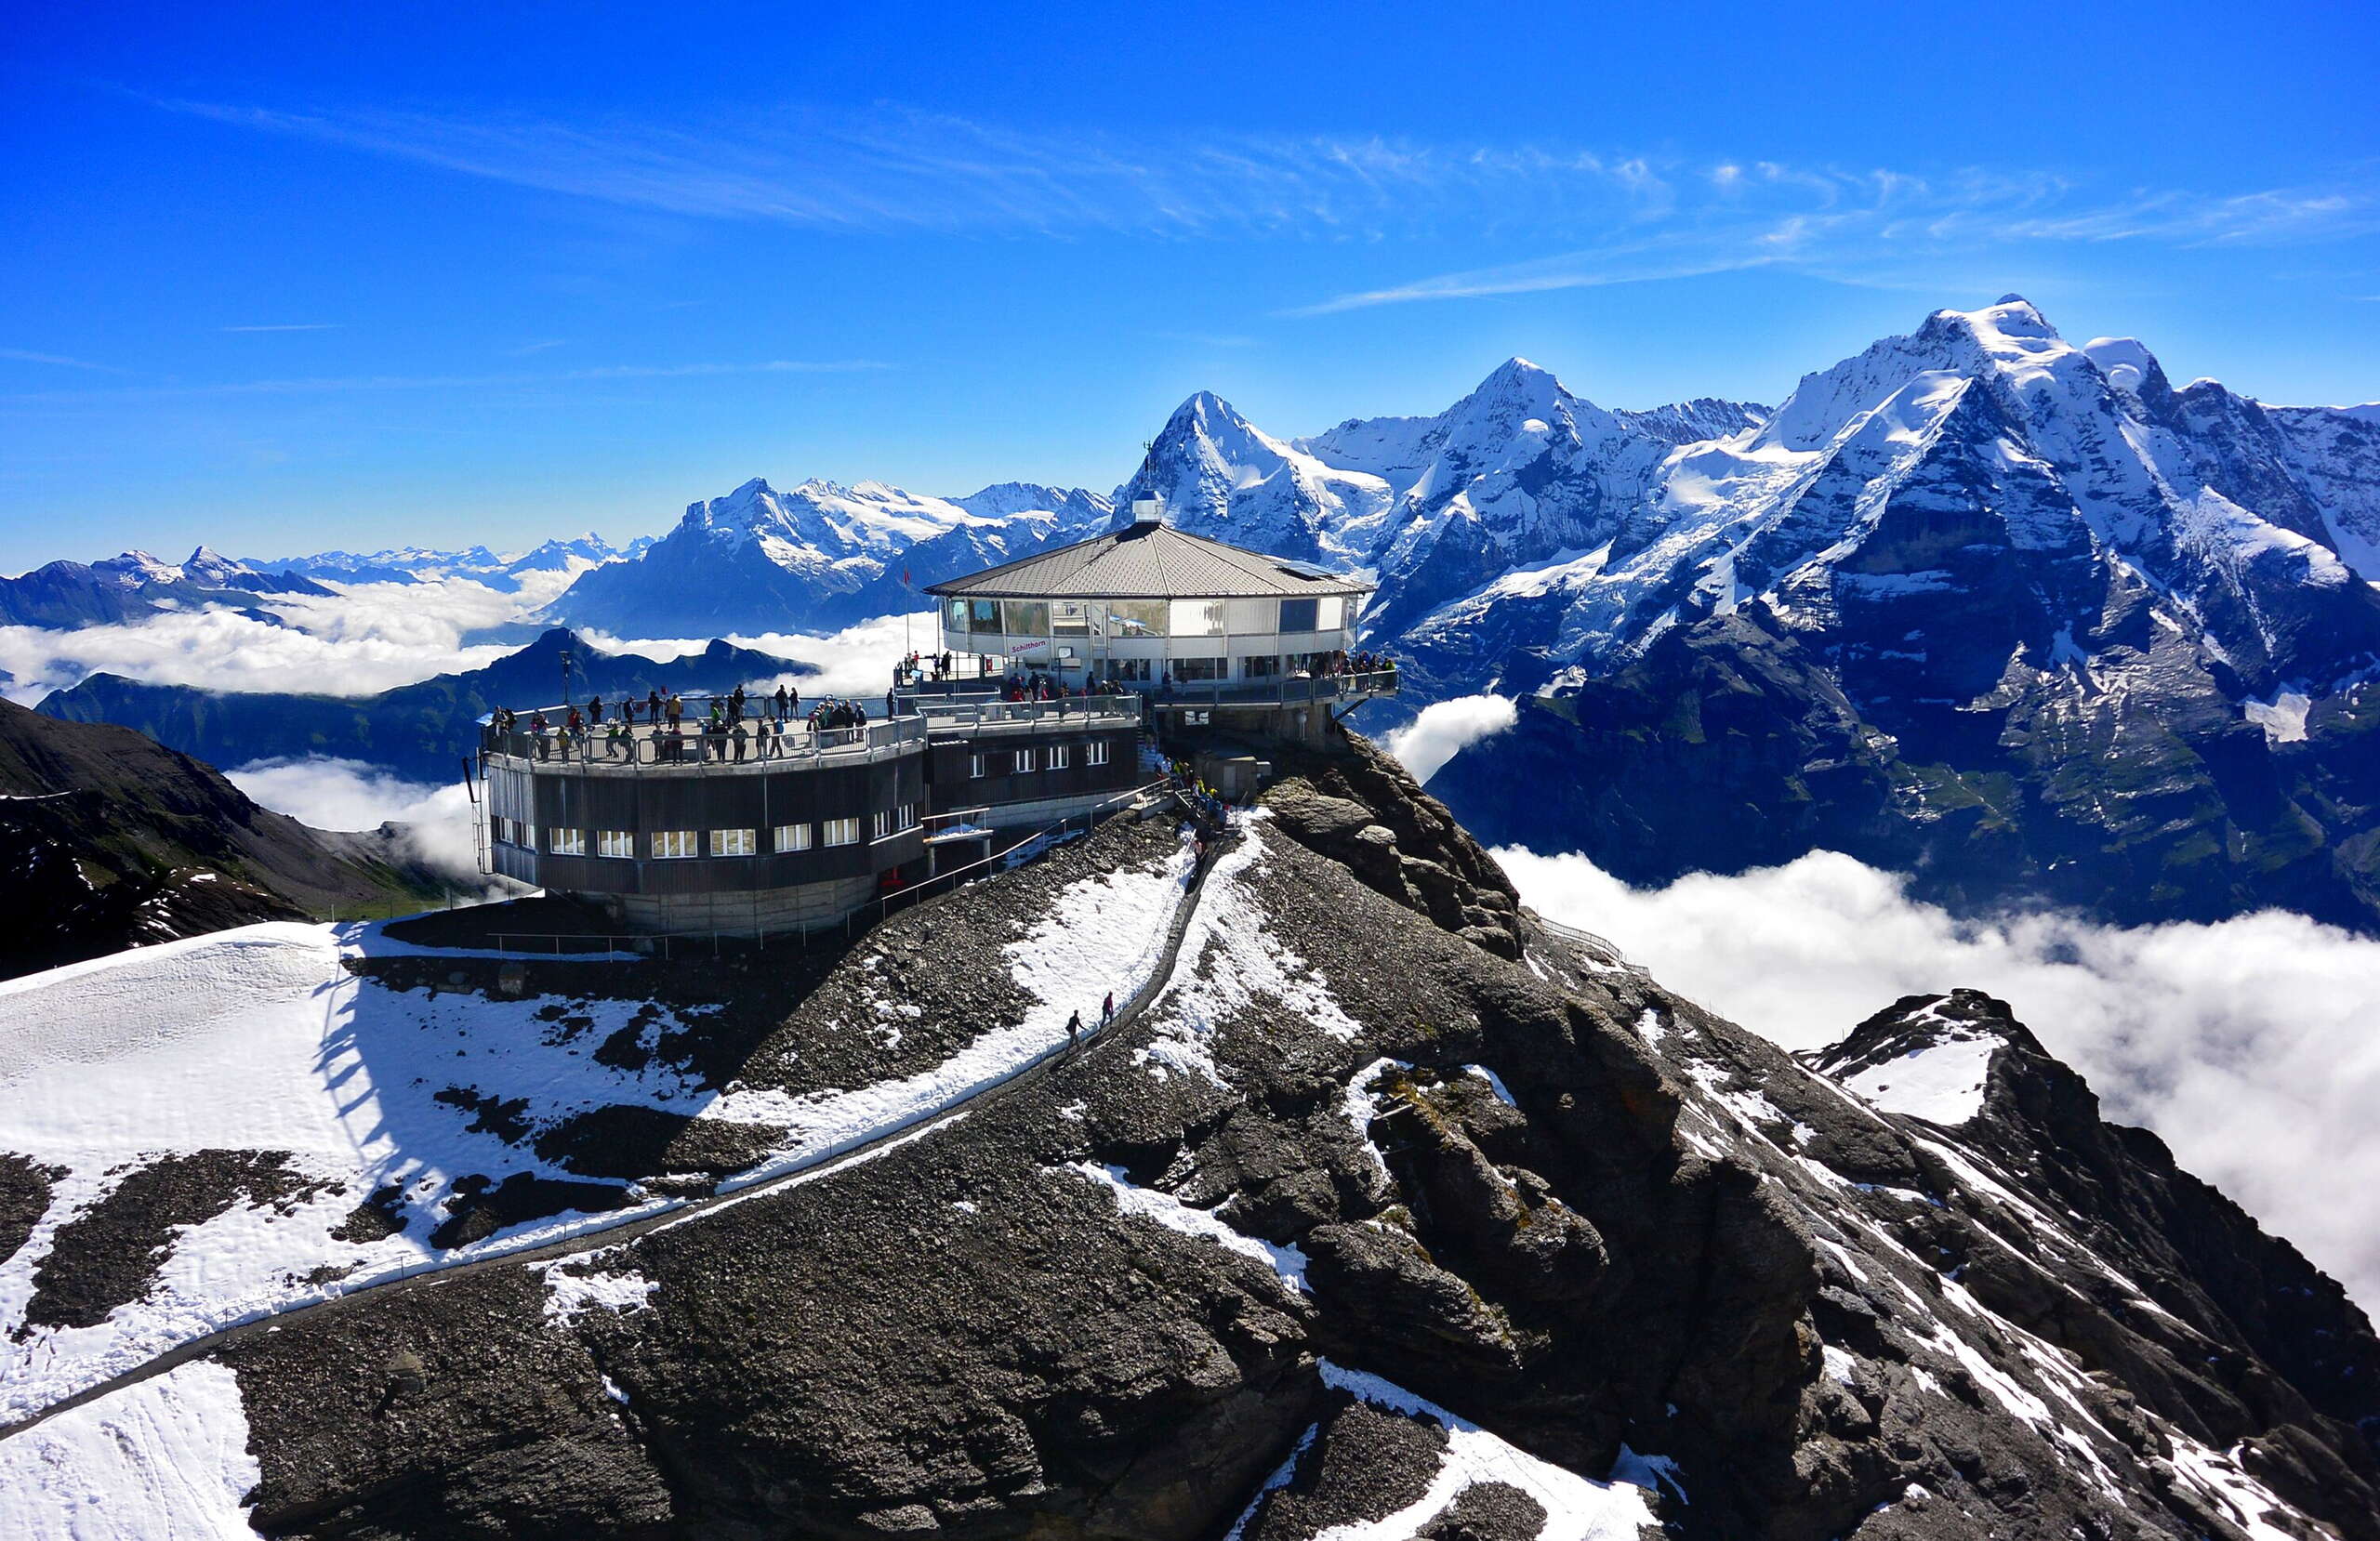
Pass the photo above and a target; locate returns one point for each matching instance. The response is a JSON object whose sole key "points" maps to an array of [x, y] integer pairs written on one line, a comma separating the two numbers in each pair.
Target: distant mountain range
{"points": [[67, 594], [818, 558], [2016, 616], [2011, 615], [499, 571], [421, 731]]}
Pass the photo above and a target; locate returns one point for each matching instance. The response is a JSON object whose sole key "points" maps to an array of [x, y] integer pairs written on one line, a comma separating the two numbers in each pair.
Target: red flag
{"points": [[905, 577]]}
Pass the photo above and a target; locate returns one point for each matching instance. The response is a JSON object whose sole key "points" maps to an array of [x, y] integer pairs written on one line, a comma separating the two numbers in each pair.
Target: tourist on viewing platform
{"points": [[537, 732], [781, 703], [653, 706], [736, 703], [742, 737], [594, 709], [676, 709]]}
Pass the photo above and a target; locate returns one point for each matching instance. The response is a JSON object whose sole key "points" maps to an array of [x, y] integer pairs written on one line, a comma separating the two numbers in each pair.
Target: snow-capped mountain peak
{"points": [[2128, 365]]}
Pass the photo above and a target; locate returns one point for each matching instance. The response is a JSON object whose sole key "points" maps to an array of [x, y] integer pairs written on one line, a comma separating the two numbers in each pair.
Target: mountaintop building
{"points": [[1198, 626], [1065, 684]]}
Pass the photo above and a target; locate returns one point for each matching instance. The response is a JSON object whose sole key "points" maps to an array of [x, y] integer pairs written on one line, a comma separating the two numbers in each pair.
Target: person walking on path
{"points": [[1108, 1011], [1074, 1031]]}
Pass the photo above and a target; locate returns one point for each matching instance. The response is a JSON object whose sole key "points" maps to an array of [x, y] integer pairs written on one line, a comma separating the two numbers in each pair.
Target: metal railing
{"points": [[1602, 948], [694, 743], [1065, 709], [1284, 691]]}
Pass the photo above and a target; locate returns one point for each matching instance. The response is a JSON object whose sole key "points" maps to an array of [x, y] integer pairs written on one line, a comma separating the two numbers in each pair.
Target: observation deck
{"points": [[702, 830]]}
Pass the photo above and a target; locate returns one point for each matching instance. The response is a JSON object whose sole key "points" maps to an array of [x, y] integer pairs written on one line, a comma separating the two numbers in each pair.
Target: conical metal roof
{"points": [[1148, 561]]}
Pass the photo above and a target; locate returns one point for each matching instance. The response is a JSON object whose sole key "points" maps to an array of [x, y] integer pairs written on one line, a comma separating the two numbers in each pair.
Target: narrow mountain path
{"points": [[598, 1238]]}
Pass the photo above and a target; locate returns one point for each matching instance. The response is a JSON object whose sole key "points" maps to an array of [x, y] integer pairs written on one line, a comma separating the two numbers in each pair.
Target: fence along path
{"points": [[598, 1237]]}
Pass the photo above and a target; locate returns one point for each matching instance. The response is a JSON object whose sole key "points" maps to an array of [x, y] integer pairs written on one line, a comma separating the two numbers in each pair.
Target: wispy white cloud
{"points": [[1881, 229], [23, 356], [288, 326], [1613, 217], [2246, 1045], [309, 385]]}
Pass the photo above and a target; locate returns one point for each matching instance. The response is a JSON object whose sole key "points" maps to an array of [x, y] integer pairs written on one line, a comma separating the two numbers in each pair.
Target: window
{"points": [[614, 842], [674, 844], [1330, 613], [974, 765], [793, 836], [1136, 617], [1126, 668], [1024, 762], [527, 834], [984, 616], [1060, 755], [1028, 617], [1069, 618], [1262, 667], [1297, 615], [896, 821], [841, 832], [954, 615], [566, 842], [1197, 617], [881, 825], [731, 842], [1095, 752], [1201, 668]]}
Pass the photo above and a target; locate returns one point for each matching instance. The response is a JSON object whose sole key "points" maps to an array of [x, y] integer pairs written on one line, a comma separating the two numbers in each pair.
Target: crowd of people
{"points": [[737, 726]]}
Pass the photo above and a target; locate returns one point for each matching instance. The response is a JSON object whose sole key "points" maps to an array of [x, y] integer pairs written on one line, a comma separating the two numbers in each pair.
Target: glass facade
{"points": [[1197, 617], [1126, 618]]}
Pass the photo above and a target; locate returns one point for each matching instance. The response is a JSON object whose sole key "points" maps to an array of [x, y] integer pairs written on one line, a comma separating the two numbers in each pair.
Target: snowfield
{"points": [[1942, 1084], [165, 1460], [262, 1040]]}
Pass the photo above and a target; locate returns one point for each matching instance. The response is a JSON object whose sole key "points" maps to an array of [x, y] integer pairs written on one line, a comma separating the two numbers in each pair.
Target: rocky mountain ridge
{"points": [[112, 841], [134, 585], [816, 558], [1393, 1208]]}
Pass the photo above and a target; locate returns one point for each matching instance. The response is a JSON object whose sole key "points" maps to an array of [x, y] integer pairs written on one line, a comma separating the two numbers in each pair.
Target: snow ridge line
{"points": [[602, 1237]]}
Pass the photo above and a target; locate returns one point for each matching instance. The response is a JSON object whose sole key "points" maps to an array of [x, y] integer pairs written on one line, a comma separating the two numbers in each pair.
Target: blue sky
{"points": [[286, 277]]}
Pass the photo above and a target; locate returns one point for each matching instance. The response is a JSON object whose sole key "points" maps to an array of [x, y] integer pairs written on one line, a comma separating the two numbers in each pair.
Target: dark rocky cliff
{"points": [[1395, 1204], [111, 841]]}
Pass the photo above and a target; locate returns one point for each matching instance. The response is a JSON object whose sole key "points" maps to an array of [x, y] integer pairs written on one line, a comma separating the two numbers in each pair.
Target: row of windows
{"points": [[1122, 618], [1024, 762], [677, 844]]}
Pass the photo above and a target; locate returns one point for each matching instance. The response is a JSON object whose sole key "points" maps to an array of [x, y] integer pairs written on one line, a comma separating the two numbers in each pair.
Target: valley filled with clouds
{"points": [[2246, 1045]]}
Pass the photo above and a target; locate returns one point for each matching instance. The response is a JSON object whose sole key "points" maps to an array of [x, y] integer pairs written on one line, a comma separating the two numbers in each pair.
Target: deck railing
{"points": [[643, 747]]}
